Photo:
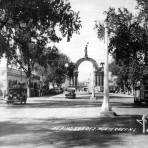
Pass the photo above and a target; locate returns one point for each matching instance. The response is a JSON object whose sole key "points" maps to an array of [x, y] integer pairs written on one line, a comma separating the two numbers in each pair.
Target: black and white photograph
{"points": [[73, 73]]}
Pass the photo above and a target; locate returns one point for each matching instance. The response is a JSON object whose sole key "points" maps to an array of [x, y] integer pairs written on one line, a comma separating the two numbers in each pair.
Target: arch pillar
{"points": [[76, 79], [102, 78], [97, 78], [96, 70], [94, 84], [72, 81]]}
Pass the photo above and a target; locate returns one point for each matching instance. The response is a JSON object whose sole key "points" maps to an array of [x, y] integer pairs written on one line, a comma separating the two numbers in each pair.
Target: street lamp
{"points": [[66, 65], [106, 107], [66, 81]]}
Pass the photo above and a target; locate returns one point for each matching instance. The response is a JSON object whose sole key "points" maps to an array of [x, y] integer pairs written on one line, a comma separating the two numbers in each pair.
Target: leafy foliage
{"points": [[70, 70], [31, 26], [142, 6], [56, 72], [127, 75], [128, 44], [100, 30]]}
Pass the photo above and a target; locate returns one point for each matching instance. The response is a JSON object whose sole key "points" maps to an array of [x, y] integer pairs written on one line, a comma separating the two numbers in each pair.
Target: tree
{"points": [[3, 44], [57, 70], [142, 6], [127, 41], [70, 71], [32, 25], [128, 75]]}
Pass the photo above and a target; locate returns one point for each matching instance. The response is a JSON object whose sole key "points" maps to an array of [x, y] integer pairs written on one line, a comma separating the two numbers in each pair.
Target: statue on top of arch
{"points": [[86, 55]]}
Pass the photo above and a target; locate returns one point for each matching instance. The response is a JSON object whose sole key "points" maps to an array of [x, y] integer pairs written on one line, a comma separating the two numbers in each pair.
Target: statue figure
{"points": [[86, 49]]}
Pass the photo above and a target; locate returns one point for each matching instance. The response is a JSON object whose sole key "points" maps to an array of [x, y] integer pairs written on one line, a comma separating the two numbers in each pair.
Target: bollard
{"points": [[143, 119], [143, 122]]}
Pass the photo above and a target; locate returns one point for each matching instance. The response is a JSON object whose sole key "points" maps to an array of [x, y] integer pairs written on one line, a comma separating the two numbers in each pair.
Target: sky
{"points": [[90, 10]]}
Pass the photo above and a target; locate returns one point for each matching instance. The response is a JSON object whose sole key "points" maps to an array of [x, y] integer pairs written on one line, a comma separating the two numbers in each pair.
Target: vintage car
{"points": [[70, 92], [16, 95]]}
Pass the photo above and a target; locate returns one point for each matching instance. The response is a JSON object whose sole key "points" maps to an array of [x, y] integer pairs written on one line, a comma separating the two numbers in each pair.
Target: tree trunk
{"points": [[29, 79], [28, 87]]}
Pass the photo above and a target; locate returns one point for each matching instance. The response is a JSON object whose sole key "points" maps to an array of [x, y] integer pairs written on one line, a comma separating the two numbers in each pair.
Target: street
{"points": [[67, 72], [57, 122]]}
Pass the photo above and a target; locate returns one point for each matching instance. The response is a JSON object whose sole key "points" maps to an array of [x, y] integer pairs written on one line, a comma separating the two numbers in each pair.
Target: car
{"points": [[16, 96], [70, 92], [55, 91]]}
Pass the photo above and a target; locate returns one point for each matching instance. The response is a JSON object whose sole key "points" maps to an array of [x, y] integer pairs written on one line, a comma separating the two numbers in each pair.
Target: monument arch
{"points": [[98, 71]]}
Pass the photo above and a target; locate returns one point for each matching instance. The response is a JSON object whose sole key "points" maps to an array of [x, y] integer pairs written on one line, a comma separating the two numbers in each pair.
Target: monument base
{"points": [[107, 114]]}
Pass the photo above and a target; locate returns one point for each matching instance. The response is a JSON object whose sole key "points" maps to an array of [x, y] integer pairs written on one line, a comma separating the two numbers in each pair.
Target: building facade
{"points": [[10, 77]]}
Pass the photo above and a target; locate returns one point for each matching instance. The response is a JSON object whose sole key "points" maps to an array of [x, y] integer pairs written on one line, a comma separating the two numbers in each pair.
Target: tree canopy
{"points": [[56, 72], [30, 27], [128, 42], [142, 6]]}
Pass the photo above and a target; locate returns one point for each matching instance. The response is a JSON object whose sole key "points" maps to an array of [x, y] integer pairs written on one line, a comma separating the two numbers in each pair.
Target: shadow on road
{"points": [[56, 104], [39, 132], [74, 103]]}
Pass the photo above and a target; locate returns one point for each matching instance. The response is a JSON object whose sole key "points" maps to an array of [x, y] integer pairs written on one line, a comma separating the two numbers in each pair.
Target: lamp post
{"points": [[106, 107], [66, 81]]}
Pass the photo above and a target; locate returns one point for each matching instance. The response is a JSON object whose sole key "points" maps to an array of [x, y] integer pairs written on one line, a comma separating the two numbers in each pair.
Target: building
{"points": [[11, 77]]}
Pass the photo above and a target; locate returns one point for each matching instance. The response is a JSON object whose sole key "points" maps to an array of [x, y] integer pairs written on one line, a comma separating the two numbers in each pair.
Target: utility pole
{"points": [[106, 109]]}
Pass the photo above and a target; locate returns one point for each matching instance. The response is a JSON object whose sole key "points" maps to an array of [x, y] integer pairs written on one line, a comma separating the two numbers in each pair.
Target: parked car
{"points": [[16, 95], [55, 91], [70, 92]]}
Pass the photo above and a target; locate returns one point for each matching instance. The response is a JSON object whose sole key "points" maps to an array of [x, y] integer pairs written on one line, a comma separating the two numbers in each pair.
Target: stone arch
{"points": [[98, 73], [86, 59]]}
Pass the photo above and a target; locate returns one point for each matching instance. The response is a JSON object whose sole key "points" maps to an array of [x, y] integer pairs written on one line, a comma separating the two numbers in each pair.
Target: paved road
{"points": [[63, 123]]}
